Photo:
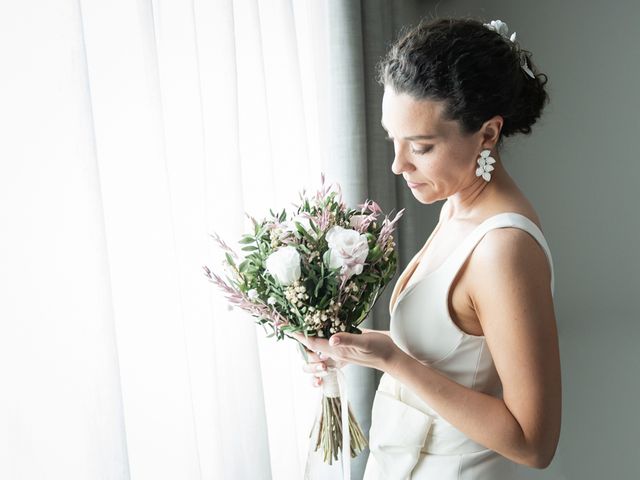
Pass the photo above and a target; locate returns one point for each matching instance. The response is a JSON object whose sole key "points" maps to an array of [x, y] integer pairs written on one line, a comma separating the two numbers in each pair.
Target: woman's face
{"points": [[429, 152]]}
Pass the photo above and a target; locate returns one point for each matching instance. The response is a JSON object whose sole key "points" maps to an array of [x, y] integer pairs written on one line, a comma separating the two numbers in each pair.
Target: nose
{"points": [[400, 163]]}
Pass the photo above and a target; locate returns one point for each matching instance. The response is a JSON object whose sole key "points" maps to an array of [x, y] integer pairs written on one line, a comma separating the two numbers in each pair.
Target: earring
{"points": [[485, 166]]}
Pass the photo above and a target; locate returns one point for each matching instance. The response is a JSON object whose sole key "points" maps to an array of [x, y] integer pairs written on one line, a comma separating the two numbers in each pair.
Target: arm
{"points": [[518, 321]]}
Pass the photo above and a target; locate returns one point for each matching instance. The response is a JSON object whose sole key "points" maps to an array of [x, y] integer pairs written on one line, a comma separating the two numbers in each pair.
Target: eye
{"points": [[415, 152], [422, 152]]}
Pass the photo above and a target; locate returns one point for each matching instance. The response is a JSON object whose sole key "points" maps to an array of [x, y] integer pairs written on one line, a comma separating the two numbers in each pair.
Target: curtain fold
{"points": [[61, 411]]}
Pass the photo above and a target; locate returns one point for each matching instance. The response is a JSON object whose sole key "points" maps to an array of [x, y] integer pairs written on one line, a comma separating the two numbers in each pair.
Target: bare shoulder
{"points": [[512, 248], [509, 256]]}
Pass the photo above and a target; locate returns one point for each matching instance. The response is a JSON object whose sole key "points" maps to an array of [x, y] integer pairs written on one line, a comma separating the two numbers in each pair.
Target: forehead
{"points": [[403, 112]]}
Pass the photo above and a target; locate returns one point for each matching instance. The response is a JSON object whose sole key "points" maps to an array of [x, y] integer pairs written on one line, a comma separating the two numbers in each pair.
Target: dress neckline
{"points": [[406, 289]]}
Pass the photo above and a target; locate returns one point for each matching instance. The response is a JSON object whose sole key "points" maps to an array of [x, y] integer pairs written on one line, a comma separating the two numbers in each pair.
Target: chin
{"points": [[426, 200], [425, 196]]}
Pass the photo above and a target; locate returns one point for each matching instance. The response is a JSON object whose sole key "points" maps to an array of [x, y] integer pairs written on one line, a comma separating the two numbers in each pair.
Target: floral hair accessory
{"points": [[502, 28]]}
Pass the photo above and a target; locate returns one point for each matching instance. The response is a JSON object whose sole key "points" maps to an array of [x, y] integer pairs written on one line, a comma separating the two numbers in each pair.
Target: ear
{"points": [[491, 129]]}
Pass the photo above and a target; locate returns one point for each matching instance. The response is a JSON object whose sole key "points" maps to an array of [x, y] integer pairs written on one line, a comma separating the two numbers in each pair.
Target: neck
{"points": [[467, 202]]}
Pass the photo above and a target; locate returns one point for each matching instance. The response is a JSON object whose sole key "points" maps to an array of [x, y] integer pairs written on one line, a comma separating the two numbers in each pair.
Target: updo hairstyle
{"points": [[473, 69]]}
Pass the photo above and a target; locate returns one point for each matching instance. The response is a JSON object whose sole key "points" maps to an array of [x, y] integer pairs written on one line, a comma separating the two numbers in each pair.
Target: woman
{"points": [[471, 385]]}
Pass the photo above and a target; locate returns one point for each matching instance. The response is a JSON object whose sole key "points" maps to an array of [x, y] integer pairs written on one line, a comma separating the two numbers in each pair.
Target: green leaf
{"points": [[229, 259], [249, 248], [314, 227], [304, 249], [324, 303], [375, 254], [303, 232], [312, 275], [318, 286], [368, 278], [246, 239], [326, 256]]}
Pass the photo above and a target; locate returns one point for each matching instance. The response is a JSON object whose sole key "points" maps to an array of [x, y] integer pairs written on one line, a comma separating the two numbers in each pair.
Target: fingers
{"points": [[307, 342], [313, 356], [319, 369], [317, 363], [312, 344], [315, 368]]}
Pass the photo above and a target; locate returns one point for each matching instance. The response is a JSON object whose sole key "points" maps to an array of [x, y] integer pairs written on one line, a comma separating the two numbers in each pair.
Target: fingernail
{"points": [[320, 367], [334, 341]]}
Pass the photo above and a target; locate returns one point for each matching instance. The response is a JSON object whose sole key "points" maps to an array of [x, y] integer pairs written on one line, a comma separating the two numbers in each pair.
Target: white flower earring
{"points": [[485, 166]]}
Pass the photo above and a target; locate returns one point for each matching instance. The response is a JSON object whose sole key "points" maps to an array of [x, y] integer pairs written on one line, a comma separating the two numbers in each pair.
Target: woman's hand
{"points": [[369, 349], [317, 366]]}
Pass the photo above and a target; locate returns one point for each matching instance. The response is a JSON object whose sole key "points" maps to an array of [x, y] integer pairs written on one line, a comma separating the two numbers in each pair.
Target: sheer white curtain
{"points": [[130, 131]]}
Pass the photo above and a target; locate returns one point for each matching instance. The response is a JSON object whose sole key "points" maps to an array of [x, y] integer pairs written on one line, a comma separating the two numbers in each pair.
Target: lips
{"points": [[413, 185]]}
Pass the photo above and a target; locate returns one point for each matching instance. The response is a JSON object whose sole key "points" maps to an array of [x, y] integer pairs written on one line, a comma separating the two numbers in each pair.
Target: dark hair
{"points": [[472, 68]]}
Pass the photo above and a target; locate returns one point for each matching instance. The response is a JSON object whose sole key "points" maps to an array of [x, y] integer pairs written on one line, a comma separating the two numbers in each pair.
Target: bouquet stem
{"points": [[329, 434]]}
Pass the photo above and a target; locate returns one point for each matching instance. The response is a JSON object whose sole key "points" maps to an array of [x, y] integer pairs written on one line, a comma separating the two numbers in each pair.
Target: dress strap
{"points": [[500, 220]]}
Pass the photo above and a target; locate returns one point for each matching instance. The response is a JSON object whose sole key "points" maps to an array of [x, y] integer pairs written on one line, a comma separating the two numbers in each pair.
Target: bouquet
{"points": [[317, 270]]}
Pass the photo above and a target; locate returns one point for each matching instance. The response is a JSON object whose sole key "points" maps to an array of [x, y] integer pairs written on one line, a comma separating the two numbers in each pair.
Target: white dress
{"points": [[408, 439]]}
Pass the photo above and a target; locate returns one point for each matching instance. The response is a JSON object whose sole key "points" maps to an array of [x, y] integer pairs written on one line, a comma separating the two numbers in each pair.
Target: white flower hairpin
{"points": [[502, 28], [485, 166]]}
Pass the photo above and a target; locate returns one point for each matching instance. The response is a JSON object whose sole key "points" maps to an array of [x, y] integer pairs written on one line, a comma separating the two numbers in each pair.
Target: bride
{"points": [[471, 385]]}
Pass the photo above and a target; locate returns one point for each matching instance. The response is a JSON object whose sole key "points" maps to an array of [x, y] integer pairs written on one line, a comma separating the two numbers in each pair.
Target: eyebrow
{"points": [[413, 137]]}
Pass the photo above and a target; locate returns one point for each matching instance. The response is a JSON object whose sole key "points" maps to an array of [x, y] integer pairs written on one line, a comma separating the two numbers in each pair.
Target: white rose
{"points": [[348, 250], [284, 265], [252, 294]]}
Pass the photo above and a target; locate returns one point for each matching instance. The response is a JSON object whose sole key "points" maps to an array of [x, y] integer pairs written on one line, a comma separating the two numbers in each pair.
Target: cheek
{"points": [[451, 164], [442, 172], [438, 169]]}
